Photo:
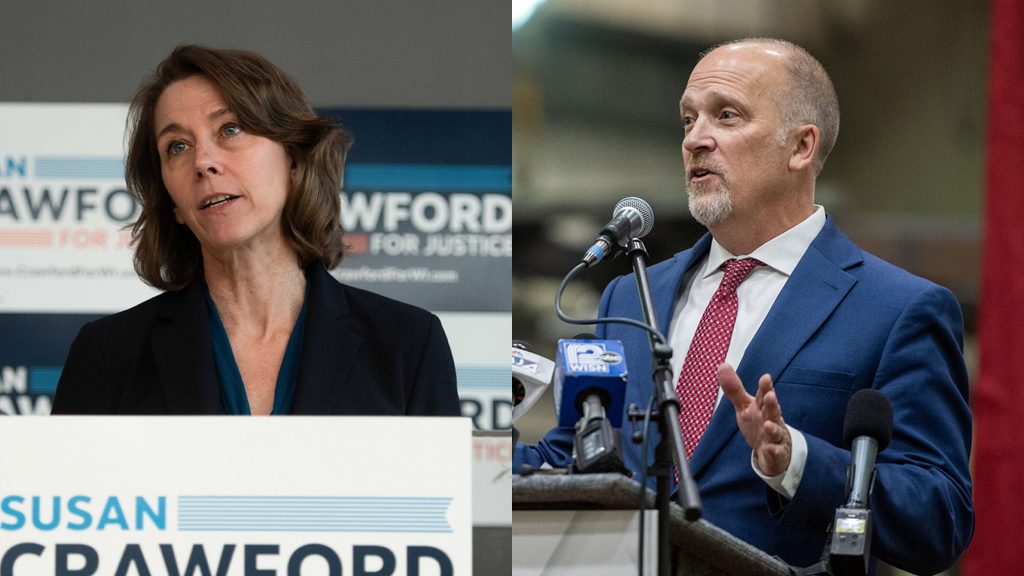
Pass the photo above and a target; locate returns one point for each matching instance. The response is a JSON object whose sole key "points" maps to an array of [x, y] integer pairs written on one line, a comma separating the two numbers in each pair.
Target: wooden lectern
{"points": [[586, 524]]}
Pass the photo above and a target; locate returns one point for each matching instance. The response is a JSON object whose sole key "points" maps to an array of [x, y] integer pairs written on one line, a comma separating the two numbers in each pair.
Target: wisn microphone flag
{"points": [[584, 367]]}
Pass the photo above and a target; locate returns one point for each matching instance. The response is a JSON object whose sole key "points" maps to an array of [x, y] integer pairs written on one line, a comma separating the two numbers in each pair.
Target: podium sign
{"points": [[228, 496]]}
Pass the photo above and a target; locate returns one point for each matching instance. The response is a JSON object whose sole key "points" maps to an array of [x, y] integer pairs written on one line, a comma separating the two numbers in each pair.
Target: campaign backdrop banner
{"points": [[270, 496], [426, 205], [63, 210]]}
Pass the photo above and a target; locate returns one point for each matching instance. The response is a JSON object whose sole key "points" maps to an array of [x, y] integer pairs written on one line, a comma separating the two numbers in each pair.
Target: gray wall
{"points": [[389, 53]]}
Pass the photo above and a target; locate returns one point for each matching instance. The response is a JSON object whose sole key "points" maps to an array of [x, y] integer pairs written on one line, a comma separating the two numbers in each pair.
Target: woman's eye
{"points": [[231, 129], [176, 147]]}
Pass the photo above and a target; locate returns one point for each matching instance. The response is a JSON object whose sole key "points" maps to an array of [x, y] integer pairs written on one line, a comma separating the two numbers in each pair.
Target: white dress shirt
{"points": [[756, 296]]}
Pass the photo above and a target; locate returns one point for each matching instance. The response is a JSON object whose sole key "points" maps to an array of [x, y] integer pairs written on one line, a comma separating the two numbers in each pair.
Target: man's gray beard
{"points": [[709, 208]]}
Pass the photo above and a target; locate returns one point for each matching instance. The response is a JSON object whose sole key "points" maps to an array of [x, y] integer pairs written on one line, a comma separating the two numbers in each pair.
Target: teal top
{"points": [[233, 399]]}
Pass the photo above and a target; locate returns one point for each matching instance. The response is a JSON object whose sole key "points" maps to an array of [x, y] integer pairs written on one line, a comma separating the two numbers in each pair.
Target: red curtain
{"points": [[998, 393]]}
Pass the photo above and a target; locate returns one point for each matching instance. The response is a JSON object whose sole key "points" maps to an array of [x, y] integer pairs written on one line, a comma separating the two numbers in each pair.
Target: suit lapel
{"points": [[820, 278], [665, 288], [329, 348], [183, 354]]}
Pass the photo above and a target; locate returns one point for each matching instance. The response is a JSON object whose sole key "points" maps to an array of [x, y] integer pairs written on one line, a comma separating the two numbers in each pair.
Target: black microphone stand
{"points": [[666, 410]]}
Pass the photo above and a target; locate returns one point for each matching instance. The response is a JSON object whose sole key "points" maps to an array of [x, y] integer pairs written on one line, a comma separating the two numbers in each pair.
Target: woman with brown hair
{"points": [[239, 183]]}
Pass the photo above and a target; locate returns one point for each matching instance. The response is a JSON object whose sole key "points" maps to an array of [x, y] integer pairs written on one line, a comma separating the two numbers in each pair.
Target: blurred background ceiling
{"points": [[595, 91], [708, 20]]}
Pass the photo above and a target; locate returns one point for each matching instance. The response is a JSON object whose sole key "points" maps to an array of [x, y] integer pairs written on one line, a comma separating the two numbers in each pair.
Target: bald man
{"points": [[806, 318]]}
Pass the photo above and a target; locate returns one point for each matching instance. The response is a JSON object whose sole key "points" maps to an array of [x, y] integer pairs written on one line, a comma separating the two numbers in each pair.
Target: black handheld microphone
{"points": [[631, 218], [867, 429]]}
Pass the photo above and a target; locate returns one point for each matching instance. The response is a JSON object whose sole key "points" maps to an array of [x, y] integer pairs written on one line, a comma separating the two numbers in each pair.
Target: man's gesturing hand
{"points": [[760, 420]]}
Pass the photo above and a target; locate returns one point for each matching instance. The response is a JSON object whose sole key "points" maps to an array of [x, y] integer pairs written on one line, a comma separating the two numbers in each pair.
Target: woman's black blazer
{"points": [[362, 354]]}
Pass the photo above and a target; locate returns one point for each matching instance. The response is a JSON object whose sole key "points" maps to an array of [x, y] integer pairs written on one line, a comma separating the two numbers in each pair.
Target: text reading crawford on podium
{"points": [[81, 535]]}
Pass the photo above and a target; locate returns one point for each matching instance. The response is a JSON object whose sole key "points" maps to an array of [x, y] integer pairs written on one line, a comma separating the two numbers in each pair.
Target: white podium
{"points": [[229, 496]]}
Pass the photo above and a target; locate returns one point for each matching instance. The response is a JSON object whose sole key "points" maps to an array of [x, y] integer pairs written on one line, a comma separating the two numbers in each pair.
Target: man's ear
{"points": [[805, 148]]}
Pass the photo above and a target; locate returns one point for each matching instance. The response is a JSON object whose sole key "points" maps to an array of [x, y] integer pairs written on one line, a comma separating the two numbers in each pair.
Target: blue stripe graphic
{"points": [[79, 167], [313, 514], [435, 177], [43, 379], [478, 377]]}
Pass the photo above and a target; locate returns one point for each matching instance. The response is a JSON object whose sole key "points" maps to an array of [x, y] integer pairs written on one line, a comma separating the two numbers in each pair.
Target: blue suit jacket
{"points": [[845, 320]]}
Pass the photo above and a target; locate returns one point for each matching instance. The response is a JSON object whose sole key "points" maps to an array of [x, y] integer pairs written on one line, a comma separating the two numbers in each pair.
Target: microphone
{"points": [[867, 429], [631, 218], [531, 375], [590, 388]]}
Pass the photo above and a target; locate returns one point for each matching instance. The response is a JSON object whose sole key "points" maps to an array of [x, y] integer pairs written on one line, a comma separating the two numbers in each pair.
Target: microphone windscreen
{"points": [[869, 413], [645, 211]]}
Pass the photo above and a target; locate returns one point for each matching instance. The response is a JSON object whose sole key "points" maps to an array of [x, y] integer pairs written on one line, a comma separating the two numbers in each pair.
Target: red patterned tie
{"points": [[697, 386]]}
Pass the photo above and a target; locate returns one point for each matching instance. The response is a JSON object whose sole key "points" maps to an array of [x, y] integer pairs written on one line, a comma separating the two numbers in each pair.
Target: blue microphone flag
{"points": [[584, 367]]}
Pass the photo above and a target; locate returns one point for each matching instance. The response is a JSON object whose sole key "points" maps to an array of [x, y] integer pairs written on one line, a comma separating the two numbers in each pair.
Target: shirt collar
{"points": [[781, 253]]}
